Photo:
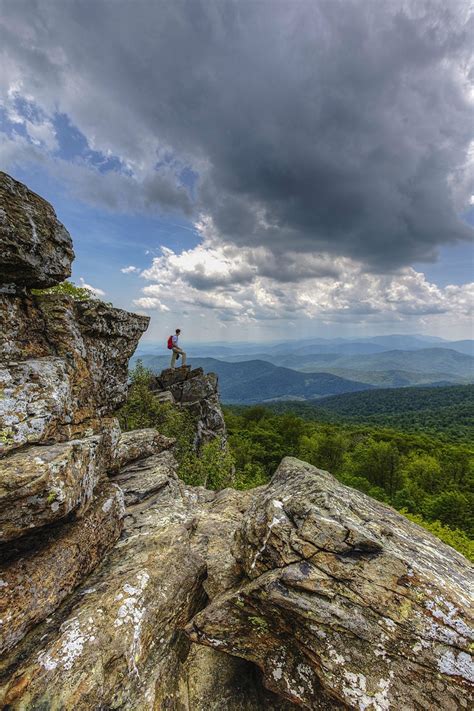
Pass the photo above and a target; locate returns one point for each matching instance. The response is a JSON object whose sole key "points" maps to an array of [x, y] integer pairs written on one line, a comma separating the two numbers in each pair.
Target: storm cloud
{"points": [[332, 127]]}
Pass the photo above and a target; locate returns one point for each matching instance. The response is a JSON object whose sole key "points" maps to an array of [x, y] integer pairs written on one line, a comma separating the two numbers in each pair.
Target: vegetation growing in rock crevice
{"points": [[211, 467], [68, 288]]}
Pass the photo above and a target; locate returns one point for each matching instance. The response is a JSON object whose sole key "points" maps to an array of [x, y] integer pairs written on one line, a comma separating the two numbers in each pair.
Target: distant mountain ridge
{"points": [[259, 381], [310, 368], [342, 346]]}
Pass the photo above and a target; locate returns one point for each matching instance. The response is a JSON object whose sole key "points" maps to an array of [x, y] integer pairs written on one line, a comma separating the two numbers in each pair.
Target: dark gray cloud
{"points": [[337, 126]]}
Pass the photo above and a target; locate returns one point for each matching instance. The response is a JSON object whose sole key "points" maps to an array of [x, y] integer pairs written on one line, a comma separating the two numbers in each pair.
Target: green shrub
{"points": [[142, 409], [78, 293], [250, 476], [212, 467]]}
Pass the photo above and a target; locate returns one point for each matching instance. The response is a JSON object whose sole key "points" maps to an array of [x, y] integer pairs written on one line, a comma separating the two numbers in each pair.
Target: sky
{"points": [[253, 170]]}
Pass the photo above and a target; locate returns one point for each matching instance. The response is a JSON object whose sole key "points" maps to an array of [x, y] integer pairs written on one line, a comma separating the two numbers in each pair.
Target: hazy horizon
{"points": [[430, 338]]}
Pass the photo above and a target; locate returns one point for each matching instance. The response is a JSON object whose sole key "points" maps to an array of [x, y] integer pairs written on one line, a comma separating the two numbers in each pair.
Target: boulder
{"points": [[35, 584], [79, 370], [36, 248], [117, 642], [171, 376], [345, 603], [41, 485], [164, 396], [36, 398], [97, 341], [138, 444]]}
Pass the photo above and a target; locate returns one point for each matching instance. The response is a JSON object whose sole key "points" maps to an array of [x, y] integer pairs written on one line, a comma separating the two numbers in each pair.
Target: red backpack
{"points": [[170, 342]]}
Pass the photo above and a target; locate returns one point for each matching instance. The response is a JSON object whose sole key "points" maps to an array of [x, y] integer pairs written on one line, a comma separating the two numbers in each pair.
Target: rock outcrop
{"points": [[63, 373], [197, 393], [344, 603], [123, 588], [36, 247]]}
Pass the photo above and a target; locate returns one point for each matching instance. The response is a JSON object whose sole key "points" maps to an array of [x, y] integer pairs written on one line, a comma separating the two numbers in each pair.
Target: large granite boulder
{"points": [[345, 603], [36, 248], [69, 368], [43, 484]]}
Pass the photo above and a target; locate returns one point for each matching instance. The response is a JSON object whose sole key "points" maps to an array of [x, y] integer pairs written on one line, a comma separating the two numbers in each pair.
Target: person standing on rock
{"points": [[177, 351]]}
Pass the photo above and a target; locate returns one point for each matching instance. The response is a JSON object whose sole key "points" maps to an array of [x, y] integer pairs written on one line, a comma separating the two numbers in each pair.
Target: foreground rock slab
{"points": [[345, 604], [138, 444], [118, 641], [114, 639], [42, 484], [36, 583]]}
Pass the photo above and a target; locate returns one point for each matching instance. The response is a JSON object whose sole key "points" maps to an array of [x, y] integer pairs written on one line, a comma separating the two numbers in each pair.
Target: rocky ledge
{"points": [[123, 588]]}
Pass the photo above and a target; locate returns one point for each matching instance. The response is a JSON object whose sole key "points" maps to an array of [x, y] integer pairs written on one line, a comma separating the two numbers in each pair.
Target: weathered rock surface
{"points": [[36, 396], [118, 642], [138, 444], [79, 369], [36, 248], [346, 603], [196, 392], [35, 584], [63, 373], [40, 485]]}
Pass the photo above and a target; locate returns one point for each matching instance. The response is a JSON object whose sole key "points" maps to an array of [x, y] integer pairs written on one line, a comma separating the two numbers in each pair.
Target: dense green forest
{"points": [[447, 412], [418, 474], [430, 479]]}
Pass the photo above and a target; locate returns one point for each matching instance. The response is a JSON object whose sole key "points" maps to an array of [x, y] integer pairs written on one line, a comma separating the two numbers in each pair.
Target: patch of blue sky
{"points": [[105, 243], [186, 176], [455, 262], [74, 145], [9, 127], [29, 110], [455, 265], [189, 178]]}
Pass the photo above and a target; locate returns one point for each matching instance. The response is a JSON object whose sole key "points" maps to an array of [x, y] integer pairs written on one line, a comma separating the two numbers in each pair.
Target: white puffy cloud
{"points": [[94, 289], [229, 282], [150, 302], [130, 270]]}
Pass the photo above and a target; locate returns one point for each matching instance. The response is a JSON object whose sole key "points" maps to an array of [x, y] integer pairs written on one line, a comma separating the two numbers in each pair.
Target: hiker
{"points": [[177, 351]]}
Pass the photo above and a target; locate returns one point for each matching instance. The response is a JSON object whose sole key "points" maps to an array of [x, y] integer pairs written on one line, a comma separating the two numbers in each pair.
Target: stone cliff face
{"points": [[123, 588], [195, 392]]}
